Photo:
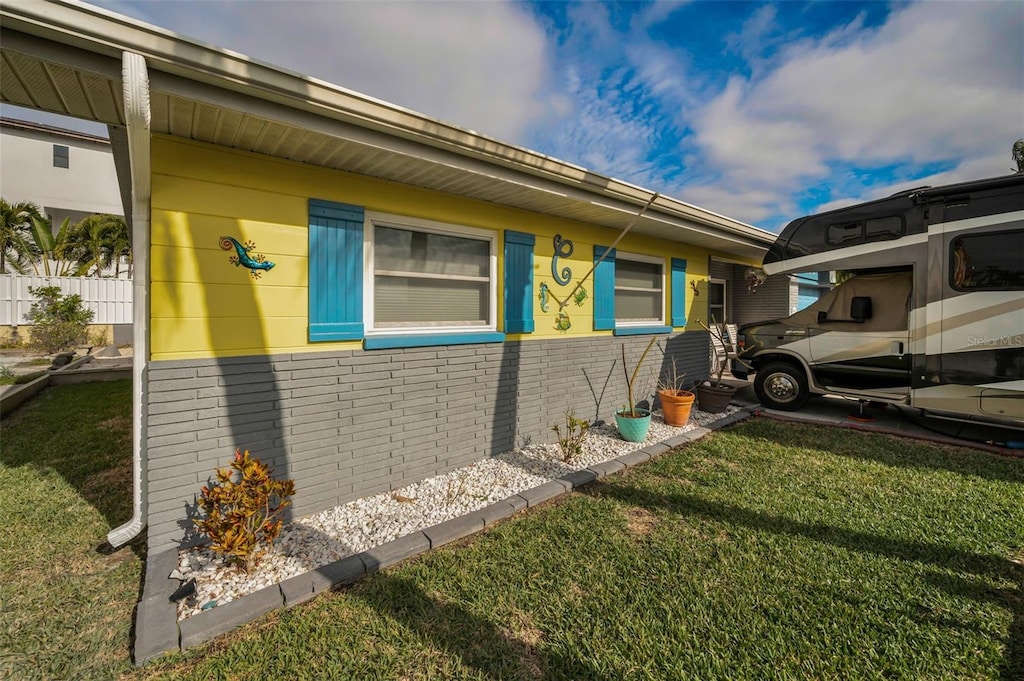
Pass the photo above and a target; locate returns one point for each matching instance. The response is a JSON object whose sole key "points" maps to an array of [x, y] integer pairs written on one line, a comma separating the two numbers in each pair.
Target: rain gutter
{"points": [[105, 32]]}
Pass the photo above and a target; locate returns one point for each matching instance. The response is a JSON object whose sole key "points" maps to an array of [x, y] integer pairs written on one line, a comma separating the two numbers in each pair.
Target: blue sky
{"points": [[759, 111]]}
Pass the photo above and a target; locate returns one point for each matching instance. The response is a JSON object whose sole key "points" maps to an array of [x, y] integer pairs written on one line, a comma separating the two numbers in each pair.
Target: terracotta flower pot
{"points": [[714, 398], [676, 405]]}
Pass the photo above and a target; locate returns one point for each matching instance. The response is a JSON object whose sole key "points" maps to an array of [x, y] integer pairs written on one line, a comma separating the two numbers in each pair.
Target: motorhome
{"points": [[929, 314]]}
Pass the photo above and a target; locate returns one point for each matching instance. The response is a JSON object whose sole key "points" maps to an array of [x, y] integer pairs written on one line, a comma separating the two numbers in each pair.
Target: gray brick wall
{"points": [[349, 424]]}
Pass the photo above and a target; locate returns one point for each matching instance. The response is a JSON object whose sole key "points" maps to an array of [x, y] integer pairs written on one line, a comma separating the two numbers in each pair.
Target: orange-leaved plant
{"points": [[243, 515]]}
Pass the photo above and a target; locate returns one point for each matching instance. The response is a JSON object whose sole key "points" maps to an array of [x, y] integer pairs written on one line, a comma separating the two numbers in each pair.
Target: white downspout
{"points": [[135, 85]]}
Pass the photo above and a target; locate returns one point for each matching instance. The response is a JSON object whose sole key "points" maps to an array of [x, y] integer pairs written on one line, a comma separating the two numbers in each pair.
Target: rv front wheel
{"points": [[781, 385]]}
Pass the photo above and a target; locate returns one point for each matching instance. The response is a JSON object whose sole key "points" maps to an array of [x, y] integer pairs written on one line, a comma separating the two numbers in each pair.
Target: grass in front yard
{"points": [[65, 479], [765, 551], [769, 550]]}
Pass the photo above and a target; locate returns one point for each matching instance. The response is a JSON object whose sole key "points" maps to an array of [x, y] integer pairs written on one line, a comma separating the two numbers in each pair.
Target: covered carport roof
{"points": [[66, 58]]}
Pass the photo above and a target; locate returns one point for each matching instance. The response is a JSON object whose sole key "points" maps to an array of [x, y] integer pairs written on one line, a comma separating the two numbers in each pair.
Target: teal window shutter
{"points": [[335, 271], [678, 292], [604, 289], [518, 282]]}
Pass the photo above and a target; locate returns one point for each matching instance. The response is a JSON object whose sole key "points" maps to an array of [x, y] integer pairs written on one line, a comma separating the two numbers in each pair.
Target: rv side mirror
{"points": [[822, 317], [860, 308]]}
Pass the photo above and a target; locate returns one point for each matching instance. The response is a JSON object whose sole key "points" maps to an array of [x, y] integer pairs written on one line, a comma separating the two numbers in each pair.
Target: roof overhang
{"points": [[66, 58]]}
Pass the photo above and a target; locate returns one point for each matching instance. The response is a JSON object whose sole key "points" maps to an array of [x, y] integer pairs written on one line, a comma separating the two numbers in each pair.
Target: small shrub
{"points": [[7, 376], [571, 442], [100, 338], [243, 514], [59, 321], [455, 488]]}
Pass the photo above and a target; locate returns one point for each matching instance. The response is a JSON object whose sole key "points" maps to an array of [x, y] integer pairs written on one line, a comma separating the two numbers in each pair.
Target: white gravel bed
{"points": [[321, 538]]}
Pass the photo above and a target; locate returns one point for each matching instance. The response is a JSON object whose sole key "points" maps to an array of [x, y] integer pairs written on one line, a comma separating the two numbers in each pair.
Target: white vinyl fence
{"points": [[109, 299]]}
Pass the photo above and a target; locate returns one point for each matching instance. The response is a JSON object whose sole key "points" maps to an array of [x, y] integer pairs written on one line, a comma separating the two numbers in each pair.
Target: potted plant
{"points": [[632, 421], [675, 401], [714, 395]]}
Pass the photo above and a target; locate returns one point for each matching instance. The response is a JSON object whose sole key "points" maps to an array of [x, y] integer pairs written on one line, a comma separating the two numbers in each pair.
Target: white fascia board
{"points": [[301, 118], [96, 29]]}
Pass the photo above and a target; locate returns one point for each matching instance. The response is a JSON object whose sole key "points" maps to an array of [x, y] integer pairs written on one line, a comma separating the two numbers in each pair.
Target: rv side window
{"points": [[987, 261], [884, 228], [845, 235]]}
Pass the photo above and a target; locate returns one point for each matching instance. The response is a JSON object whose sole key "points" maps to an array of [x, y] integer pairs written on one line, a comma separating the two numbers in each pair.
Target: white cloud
{"points": [[750, 205], [936, 83], [757, 32], [481, 65], [974, 169], [613, 125]]}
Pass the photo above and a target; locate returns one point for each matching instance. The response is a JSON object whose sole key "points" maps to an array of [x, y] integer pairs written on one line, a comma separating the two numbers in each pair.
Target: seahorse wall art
{"points": [[544, 292], [255, 264]]}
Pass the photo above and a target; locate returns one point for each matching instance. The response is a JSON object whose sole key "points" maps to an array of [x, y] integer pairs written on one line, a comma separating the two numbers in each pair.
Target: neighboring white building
{"points": [[66, 173]]}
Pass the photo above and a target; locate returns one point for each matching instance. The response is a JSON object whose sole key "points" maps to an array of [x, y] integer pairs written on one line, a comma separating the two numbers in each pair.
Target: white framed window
{"points": [[716, 301], [422, 276], [639, 290]]}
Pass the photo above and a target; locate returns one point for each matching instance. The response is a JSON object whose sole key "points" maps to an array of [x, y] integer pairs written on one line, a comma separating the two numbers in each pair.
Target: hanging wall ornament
{"points": [[562, 322], [580, 296], [544, 292], [563, 249], [754, 276], [255, 264]]}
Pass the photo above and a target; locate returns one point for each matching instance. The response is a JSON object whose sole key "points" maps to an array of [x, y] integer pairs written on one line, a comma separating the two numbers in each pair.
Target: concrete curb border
{"points": [[12, 399], [157, 629], [17, 395], [893, 432]]}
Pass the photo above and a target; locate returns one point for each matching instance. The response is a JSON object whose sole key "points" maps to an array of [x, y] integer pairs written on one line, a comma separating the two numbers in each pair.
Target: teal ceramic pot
{"points": [[633, 429]]}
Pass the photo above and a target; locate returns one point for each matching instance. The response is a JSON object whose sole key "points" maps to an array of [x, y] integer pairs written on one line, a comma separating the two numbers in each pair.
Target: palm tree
{"points": [[89, 243], [121, 247], [48, 245], [16, 247]]}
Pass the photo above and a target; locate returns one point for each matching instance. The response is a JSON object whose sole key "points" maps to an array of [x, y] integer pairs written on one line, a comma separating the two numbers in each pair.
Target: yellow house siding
{"points": [[203, 306]]}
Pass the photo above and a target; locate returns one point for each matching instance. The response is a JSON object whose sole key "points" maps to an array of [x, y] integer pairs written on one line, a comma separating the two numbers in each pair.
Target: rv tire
{"points": [[781, 385]]}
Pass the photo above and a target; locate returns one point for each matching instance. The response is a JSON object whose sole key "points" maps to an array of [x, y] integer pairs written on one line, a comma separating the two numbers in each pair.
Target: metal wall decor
{"points": [[563, 249], [754, 276], [256, 264]]}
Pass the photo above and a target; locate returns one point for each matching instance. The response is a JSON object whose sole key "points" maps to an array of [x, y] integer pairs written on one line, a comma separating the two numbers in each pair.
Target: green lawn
{"points": [[766, 551], [65, 480]]}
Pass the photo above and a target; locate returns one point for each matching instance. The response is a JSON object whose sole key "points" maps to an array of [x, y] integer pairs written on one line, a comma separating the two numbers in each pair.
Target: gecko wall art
{"points": [[256, 264]]}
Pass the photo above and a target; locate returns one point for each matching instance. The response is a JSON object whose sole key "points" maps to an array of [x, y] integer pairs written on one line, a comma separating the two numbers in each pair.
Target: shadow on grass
{"points": [[83, 433], [943, 557], [476, 642], [1012, 668], [892, 451]]}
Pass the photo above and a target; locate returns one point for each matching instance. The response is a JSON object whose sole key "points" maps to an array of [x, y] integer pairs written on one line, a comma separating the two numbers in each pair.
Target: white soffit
{"points": [[63, 58]]}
